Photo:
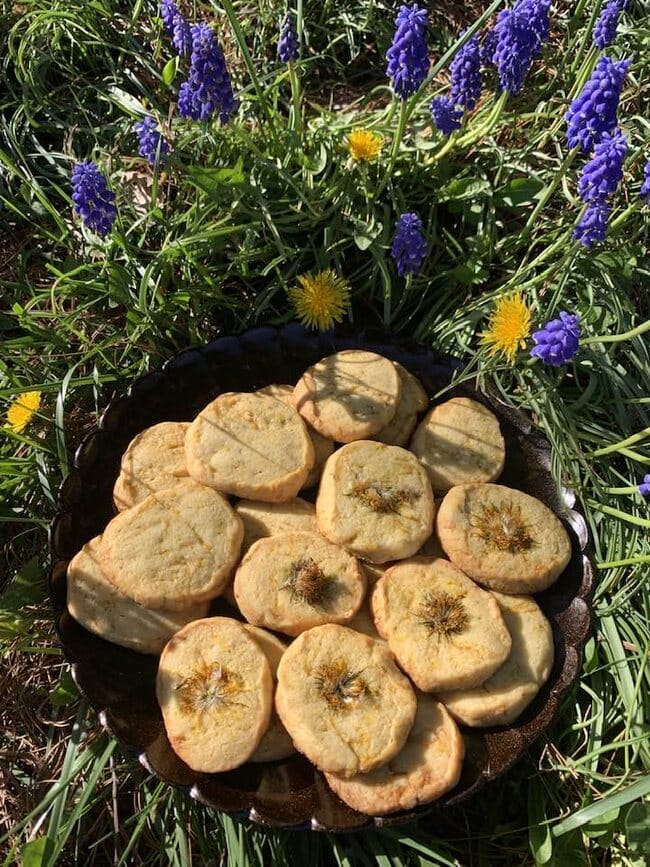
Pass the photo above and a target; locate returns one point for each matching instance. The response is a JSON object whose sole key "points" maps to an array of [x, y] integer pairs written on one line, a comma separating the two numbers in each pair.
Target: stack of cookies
{"points": [[366, 625]]}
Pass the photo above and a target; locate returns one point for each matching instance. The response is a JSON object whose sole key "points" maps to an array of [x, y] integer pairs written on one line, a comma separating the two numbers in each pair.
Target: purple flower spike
{"points": [[645, 187], [644, 487], [177, 26], [488, 46], [558, 341], [408, 61], [520, 34], [593, 225], [446, 116], [409, 244], [94, 202], [603, 173], [288, 49], [605, 28], [466, 80], [150, 141], [593, 111], [208, 87]]}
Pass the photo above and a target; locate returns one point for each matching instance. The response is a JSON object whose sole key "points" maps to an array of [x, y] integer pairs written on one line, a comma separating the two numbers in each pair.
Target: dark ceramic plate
{"points": [[119, 683]]}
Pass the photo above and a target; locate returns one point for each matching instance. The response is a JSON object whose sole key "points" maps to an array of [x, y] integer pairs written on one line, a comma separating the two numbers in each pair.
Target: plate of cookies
{"points": [[307, 579]]}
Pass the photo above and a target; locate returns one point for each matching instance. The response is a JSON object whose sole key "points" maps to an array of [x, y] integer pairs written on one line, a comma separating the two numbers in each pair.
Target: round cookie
{"points": [[323, 447], [95, 602], [363, 622], [503, 538], [343, 700], [374, 571], [173, 549], [215, 690], [512, 687], [276, 743], [268, 519], [445, 632], [414, 399], [376, 501], [350, 395], [153, 461], [250, 445], [428, 766], [459, 441], [294, 581]]}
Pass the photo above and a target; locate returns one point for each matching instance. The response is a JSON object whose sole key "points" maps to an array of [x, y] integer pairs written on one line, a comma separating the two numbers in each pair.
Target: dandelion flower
{"points": [[320, 299], [22, 410], [509, 326], [364, 145]]}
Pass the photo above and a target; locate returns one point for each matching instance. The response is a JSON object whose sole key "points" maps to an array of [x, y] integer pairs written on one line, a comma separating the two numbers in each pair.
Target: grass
{"points": [[210, 246]]}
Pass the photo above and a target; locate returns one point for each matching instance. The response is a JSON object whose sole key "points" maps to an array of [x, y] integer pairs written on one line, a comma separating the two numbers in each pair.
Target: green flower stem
{"points": [[550, 189], [629, 561], [624, 215], [617, 338], [630, 441], [487, 126], [296, 123], [630, 489], [444, 150], [617, 513], [399, 133]]}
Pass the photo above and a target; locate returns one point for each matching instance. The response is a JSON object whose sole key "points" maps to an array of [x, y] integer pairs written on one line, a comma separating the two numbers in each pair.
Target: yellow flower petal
{"points": [[320, 299], [508, 327], [22, 410], [364, 145]]}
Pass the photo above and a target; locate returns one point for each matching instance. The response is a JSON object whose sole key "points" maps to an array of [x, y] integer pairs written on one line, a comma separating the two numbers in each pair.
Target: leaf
{"points": [[637, 827], [518, 192], [170, 70], [463, 188], [366, 233], [539, 832], [65, 692], [34, 853], [602, 824], [210, 179], [126, 101], [640, 789]]}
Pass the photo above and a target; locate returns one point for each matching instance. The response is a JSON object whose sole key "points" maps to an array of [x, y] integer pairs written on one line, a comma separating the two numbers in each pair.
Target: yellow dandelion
{"points": [[364, 145], [509, 326], [320, 299], [22, 410]]}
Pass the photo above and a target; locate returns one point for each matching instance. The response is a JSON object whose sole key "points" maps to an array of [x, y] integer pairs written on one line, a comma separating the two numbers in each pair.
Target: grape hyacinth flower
{"points": [[593, 111], [645, 187], [605, 28], [446, 116], [288, 49], [409, 244], [603, 173], [94, 202], [593, 225], [408, 61], [466, 79], [488, 46], [208, 87], [644, 487], [177, 26], [558, 341], [151, 143], [520, 33]]}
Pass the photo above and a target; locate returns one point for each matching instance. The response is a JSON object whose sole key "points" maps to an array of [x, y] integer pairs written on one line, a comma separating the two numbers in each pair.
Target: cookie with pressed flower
{"points": [[376, 501], [445, 631], [350, 395], [215, 689], [343, 700], [276, 743], [268, 519], [426, 767], [323, 447], [96, 603], [512, 687], [175, 548], [293, 581], [250, 445], [413, 400], [153, 461], [503, 538], [459, 441]]}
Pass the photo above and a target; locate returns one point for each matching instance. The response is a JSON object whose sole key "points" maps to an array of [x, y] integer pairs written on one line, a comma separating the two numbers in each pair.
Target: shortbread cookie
{"points": [[250, 445], [96, 603], [445, 631], [512, 687], [376, 501], [350, 395], [268, 519], [503, 538], [215, 690], [428, 766], [343, 700], [293, 581], [459, 441], [153, 461], [374, 571], [323, 447], [414, 399], [175, 548], [276, 743], [363, 622]]}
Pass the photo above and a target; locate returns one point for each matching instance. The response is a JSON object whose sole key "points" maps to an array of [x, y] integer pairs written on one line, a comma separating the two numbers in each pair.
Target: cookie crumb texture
{"points": [[153, 461], [413, 400], [251, 445]]}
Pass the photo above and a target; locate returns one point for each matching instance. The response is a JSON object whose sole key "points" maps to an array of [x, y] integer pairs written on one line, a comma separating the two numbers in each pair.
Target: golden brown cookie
{"points": [[268, 519], [276, 743], [250, 445], [153, 461], [376, 501], [175, 548], [511, 688], [350, 395], [414, 399], [445, 632], [215, 690], [459, 441], [343, 700], [293, 581], [503, 538], [363, 622], [96, 603], [428, 765]]}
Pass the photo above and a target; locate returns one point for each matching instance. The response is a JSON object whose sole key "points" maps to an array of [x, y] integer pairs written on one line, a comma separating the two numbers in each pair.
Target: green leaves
{"points": [[210, 180]]}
